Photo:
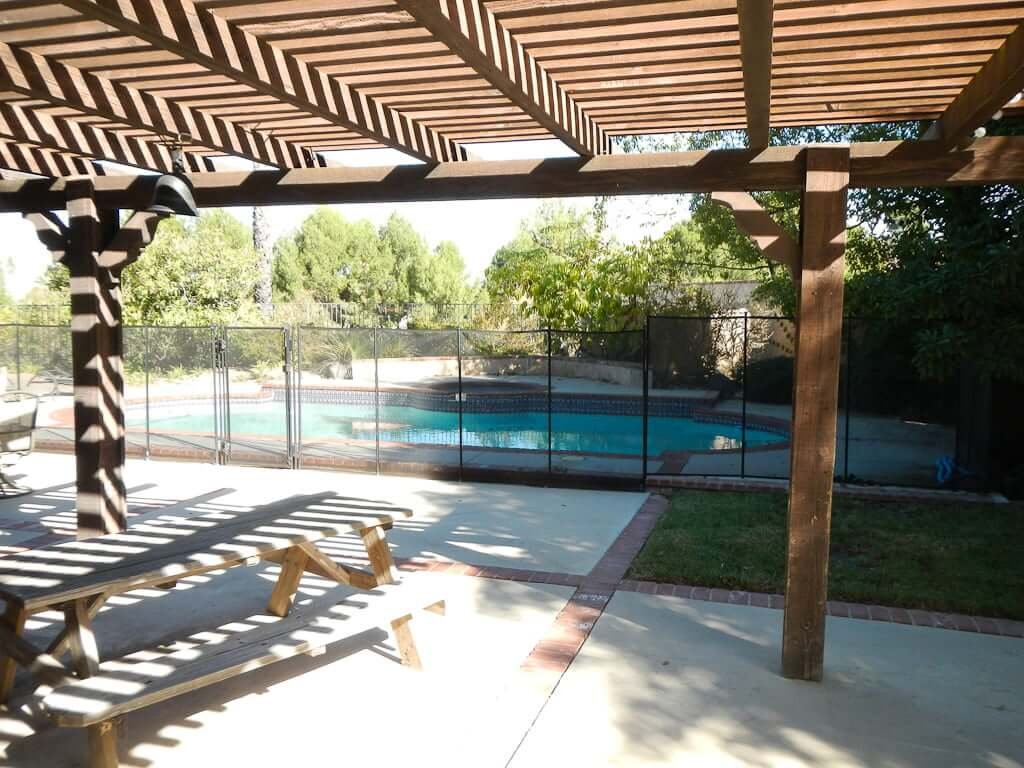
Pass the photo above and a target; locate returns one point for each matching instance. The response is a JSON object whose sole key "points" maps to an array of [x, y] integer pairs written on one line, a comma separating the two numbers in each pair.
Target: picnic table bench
{"points": [[78, 577]]}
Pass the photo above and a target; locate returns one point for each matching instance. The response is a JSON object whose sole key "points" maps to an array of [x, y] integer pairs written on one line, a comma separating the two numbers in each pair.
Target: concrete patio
{"points": [[658, 680]]}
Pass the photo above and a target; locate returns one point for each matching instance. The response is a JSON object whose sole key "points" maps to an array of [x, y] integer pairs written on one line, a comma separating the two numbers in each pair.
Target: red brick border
{"points": [[838, 608], [666, 485], [558, 648]]}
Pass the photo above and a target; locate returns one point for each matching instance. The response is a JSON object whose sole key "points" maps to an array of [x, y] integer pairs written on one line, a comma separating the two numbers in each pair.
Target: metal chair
{"points": [[18, 410]]}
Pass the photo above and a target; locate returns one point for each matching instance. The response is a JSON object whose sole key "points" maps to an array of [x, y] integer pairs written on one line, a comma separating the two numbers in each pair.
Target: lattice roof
{"points": [[281, 81]]}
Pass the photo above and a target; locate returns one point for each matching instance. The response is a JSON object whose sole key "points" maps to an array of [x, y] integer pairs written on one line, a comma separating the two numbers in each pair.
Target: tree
{"points": [[411, 258], [264, 296], [941, 267], [445, 281], [564, 266], [199, 273], [334, 260]]}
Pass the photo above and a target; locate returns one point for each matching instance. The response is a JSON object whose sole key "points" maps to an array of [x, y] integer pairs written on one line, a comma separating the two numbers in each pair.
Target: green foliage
{"points": [[941, 267], [199, 273], [331, 259], [564, 267]]}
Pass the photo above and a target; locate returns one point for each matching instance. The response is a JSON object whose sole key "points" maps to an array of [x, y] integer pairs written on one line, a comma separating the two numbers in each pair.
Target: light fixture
{"points": [[173, 192]]}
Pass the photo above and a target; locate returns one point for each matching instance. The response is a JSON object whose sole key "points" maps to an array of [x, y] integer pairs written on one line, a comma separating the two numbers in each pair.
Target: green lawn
{"points": [[956, 557]]}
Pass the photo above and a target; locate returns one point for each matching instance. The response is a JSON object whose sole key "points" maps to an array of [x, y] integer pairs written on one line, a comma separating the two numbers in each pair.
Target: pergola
{"points": [[280, 82]]}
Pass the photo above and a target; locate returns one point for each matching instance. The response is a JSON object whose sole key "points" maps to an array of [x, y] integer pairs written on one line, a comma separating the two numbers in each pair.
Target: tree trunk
{"points": [[264, 294]]}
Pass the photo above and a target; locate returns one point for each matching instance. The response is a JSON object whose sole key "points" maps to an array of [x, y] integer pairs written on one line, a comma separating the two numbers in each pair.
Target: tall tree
{"points": [[264, 294], [411, 258], [334, 260]]}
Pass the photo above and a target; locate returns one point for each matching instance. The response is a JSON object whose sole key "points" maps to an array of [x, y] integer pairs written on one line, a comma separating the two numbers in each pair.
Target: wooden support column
{"points": [[815, 401], [95, 252], [97, 349]]}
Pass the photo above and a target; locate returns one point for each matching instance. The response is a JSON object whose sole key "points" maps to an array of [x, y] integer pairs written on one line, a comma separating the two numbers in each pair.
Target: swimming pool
{"points": [[583, 432]]}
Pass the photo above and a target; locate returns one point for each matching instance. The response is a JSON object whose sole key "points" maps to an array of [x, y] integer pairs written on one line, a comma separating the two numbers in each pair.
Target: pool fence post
{"points": [[743, 418], [376, 405], [645, 407], [145, 366], [227, 396], [846, 400], [286, 349], [17, 354], [550, 470], [458, 352], [297, 391]]}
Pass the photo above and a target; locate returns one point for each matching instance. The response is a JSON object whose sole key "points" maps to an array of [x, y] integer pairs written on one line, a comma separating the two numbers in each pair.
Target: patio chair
{"points": [[54, 377], [18, 411]]}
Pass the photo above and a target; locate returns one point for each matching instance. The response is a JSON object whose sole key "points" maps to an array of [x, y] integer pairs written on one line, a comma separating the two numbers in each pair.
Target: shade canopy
{"points": [[282, 81]]}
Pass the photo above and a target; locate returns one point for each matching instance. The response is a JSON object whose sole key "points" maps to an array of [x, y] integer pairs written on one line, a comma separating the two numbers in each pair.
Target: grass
{"points": [[947, 556]]}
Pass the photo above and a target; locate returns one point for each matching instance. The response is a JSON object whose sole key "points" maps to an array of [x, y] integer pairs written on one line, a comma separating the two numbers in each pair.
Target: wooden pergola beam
{"points": [[998, 81], [755, 20], [198, 35], [472, 31], [759, 226], [994, 160], [48, 79]]}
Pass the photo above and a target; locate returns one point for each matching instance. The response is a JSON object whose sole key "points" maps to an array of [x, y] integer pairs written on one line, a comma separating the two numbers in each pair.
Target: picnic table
{"points": [[78, 577]]}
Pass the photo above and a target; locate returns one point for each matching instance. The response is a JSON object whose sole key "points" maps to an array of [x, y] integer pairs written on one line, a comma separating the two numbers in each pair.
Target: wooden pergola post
{"points": [[97, 352], [815, 400], [95, 251]]}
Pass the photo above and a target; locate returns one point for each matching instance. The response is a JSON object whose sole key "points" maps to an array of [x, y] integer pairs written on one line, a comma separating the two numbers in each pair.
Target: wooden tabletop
{"points": [[162, 550]]}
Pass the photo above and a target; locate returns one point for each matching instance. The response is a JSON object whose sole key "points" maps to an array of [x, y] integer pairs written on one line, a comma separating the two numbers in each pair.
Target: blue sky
{"points": [[479, 228]]}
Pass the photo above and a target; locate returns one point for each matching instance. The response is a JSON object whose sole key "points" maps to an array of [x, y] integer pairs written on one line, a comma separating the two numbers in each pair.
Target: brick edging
{"points": [[665, 484], [918, 618], [554, 653]]}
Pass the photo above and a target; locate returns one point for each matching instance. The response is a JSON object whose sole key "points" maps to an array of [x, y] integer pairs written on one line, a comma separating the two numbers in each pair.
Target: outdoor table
{"points": [[78, 577]]}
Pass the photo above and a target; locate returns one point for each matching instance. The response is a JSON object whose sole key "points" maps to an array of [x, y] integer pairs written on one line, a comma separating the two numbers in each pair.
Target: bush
{"points": [[770, 380]]}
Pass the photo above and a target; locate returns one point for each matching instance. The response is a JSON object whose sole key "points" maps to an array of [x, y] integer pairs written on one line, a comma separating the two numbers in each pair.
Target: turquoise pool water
{"points": [[588, 433]]}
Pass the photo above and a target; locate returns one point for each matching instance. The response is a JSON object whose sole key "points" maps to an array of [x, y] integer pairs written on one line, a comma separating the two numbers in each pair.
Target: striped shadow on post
{"points": [[95, 251]]}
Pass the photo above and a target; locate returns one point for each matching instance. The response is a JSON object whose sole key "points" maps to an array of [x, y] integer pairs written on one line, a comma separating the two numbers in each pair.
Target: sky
{"points": [[477, 227]]}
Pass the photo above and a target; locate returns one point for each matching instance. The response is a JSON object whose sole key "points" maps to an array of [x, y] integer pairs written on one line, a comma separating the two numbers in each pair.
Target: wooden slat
{"points": [[60, 83], [35, 127], [292, 567], [148, 677], [176, 548], [85, 655], [472, 31], [42, 666], [134, 235], [41, 161], [996, 83], [323, 565], [198, 35], [755, 18], [12, 650], [379, 554], [815, 405]]}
